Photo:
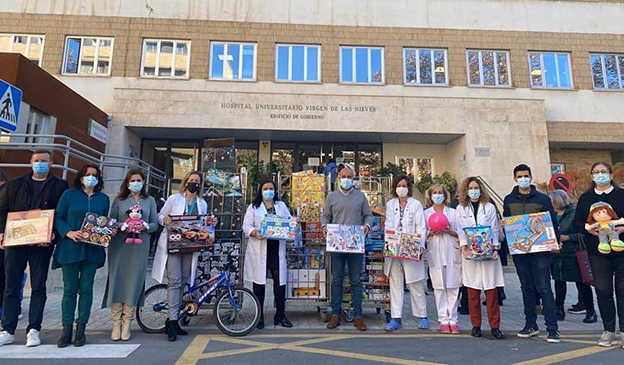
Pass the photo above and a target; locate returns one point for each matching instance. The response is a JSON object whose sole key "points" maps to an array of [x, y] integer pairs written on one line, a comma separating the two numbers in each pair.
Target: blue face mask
{"points": [[602, 179], [524, 182], [40, 168], [89, 181], [437, 198], [346, 183], [268, 194], [474, 193], [135, 186]]}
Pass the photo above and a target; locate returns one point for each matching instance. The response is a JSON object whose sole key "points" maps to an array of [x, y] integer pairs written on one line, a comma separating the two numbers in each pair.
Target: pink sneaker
{"points": [[129, 241], [138, 241], [454, 329], [444, 328]]}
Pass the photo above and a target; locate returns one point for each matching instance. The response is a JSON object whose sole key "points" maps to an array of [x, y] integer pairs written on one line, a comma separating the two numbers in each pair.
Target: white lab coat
{"points": [[480, 275], [443, 255], [175, 205], [413, 222], [256, 253]]}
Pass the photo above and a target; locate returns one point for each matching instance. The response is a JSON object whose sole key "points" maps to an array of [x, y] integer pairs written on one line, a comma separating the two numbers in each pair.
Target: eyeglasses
{"points": [[601, 172]]}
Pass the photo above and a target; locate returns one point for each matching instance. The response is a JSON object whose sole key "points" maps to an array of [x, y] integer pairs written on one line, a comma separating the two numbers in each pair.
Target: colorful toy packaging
{"points": [[402, 246], [530, 233], [98, 229], [278, 228], [480, 246], [308, 195], [189, 233], [345, 238], [33, 227]]}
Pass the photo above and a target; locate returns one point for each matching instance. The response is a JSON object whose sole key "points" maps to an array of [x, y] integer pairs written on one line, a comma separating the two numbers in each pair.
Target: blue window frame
{"points": [[297, 63], [550, 70]]}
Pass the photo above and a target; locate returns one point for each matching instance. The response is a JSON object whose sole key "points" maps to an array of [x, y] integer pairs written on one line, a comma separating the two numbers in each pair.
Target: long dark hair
{"points": [[609, 168], [258, 200], [124, 191], [83, 171], [397, 179]]}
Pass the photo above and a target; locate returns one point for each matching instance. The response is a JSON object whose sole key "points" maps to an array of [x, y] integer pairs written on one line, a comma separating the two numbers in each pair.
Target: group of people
{"points": [[446, 252]]}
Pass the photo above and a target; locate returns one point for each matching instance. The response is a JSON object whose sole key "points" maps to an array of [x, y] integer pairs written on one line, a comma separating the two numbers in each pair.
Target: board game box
{"points": [[402, 246], [278, 227], [480, 247], [98, 229], [33, 227], [345, 238], [530, 233]]}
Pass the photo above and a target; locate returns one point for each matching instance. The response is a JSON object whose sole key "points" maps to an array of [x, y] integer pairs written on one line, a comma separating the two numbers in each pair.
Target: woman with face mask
{"points": [[263, 254], [180, 267], [444, 259], [609, 261], [78, 260], [475, 209], [405, 214], [127, 263]]}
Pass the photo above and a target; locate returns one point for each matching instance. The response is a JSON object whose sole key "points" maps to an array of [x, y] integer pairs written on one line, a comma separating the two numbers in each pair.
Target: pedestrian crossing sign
{"points": [[10, 100]]}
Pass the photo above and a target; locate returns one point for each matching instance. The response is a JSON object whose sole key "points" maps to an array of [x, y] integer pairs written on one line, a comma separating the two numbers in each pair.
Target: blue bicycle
{"points": [[236, 309]]}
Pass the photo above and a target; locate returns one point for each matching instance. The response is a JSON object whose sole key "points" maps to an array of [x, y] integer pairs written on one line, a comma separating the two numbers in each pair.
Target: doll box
{"points": [[98, 230], [402, 246], [480, 246], [344, 238], [33, 227], [278, 228], [530, 233]]}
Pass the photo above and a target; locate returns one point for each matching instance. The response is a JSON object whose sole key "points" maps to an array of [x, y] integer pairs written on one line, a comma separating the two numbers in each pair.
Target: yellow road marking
{"points": [[194, 350], [568, 355], [353, 355]]}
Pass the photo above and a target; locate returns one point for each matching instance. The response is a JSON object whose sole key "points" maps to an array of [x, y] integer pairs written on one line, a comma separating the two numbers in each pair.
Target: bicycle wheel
{"points": [[152, 315], [239, 314]]}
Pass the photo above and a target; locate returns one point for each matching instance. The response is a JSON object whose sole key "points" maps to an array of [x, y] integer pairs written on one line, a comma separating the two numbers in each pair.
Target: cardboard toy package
{"points": [[189, 233], [308, 195], [307, 283], [33, 227], [402, 246], [345, 238], [480, 247], [530, 233], [98, 229], [278, 228]]}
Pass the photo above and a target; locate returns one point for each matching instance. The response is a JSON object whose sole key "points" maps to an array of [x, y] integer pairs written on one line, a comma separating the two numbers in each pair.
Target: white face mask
{"points": [[401, 191]]}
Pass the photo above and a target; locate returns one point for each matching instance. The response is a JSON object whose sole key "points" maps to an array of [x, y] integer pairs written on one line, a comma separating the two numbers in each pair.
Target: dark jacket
{"points": [[17, 196], [615, 199], [565, 266], [533, 202]]}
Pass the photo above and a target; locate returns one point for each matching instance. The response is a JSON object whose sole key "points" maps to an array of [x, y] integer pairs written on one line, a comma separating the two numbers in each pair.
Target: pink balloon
{"points": [[438, 222]]}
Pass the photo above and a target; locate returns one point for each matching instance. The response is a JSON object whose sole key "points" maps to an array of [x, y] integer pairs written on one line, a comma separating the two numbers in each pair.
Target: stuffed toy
{"points": [[603, 217], [134, 225]]}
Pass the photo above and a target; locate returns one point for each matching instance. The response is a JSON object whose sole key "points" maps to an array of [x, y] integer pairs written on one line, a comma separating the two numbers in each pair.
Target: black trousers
{"points": [[605, 268], [2, 277], [279, 291], [561, 290], [15, 260]]}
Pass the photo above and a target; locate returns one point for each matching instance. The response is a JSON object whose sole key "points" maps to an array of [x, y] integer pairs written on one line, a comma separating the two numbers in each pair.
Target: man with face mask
{"points": [[346, 206], [37, 190], [533, 269]]}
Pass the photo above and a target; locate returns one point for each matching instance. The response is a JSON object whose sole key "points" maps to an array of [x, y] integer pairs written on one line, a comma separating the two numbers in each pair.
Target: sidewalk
{"points": [[304, 315]]}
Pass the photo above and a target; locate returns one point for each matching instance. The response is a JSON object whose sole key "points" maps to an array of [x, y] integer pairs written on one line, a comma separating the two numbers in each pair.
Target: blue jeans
{"points": [[534, 273], [354, 262]]}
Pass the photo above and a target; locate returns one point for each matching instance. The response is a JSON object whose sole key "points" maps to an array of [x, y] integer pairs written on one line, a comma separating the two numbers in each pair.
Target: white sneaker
{"points": [[6, 338], [607, 338], [32, 338]]}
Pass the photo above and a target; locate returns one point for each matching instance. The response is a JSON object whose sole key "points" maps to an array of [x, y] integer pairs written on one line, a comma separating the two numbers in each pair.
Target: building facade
{"points": [[472, 87]]}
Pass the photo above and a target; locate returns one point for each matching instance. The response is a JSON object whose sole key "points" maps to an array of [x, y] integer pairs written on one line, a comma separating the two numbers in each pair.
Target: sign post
{"points": [[10, 101], [561, 181]]}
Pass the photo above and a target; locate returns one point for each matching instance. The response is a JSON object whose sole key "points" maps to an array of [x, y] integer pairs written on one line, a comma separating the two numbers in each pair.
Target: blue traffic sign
{"points": [[10, 101]]}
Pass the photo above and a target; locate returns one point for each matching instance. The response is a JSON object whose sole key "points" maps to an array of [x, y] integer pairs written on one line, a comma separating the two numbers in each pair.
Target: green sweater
{"points": [[70, 212]]}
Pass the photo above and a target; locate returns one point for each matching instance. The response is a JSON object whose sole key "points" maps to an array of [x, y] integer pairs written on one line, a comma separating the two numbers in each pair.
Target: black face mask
{"points": [[193, 187]]}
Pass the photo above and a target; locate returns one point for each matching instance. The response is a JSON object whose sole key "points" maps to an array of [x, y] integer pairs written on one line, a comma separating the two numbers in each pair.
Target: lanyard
{"points": [[401, 214], [190, 208]]}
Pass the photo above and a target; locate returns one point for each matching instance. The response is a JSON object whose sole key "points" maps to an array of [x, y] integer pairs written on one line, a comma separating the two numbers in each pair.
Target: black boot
{"points": [[179, 329], [66, 337], [80, 339], [170, 330], [560, 314]]}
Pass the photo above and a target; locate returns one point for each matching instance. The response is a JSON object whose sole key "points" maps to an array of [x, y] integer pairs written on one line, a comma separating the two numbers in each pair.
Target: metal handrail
{"points": [[498, 201], [155, 178]]}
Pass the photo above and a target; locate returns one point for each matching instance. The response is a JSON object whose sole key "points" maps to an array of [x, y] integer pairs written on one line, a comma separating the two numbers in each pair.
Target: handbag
{"points": [[583, 261]]}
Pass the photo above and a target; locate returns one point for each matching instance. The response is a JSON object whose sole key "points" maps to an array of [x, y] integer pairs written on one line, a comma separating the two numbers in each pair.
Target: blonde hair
{"points": [[463, 197], [429, 202], [186, 179]]}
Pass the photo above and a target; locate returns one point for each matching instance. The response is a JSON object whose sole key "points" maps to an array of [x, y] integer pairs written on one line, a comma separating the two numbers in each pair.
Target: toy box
{"points": [[189, 233], [480, 247], [345, 238], [33, 227], [98, 229], [307, 283], [402, 246], [278, 228], [530, 233]]}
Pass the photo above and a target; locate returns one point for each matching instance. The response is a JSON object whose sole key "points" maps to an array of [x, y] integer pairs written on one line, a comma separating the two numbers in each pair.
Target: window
{"points": [[30, 46], [607, 71], [488, 68], [425, 66], [557, 168], [233, 61], [550, 70], [361, 65], [297, 63], [38, 123], [88, 56], [165, 58], [416, 167]]}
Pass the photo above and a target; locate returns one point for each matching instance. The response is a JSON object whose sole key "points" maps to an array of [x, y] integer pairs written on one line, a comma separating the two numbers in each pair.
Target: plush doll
{"points": [[603, 217], [134, 225]]}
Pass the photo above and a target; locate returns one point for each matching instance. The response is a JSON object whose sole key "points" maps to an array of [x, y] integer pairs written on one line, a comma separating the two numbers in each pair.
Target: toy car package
{"points": [[189, 233]]}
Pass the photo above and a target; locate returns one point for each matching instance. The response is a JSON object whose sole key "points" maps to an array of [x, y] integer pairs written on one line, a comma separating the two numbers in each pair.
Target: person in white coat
{"points": [[475, 209], [444, 259], [405, 214], [264, 255], [180, 267]]}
